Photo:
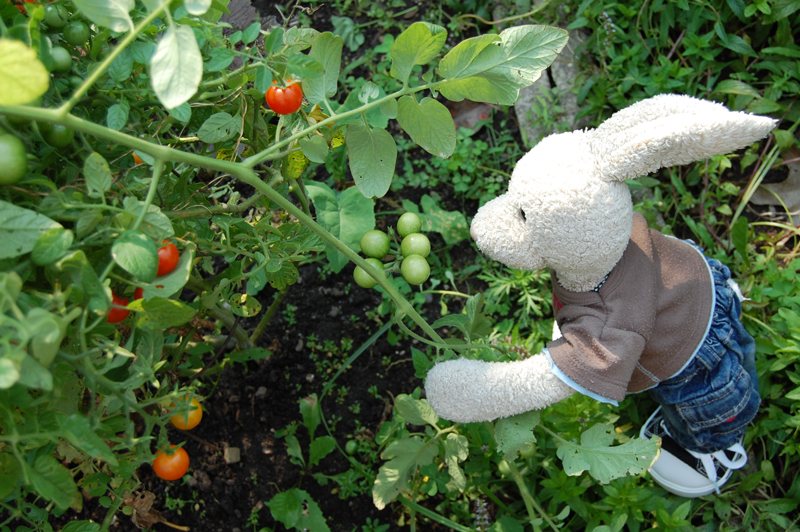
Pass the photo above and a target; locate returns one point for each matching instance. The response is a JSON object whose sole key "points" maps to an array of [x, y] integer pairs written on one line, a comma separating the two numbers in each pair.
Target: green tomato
{"points": [[408, 223], [14, 159], [415, 244], [56, 135], [375, 244], [504, 468], [362, 278], [351, 447], [415, 269], [76, 33], [56, 16], [62, 61]]}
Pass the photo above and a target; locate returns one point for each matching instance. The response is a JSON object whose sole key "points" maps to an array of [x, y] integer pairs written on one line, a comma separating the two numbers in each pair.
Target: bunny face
{"points": [[568, 207], [558, 213]]}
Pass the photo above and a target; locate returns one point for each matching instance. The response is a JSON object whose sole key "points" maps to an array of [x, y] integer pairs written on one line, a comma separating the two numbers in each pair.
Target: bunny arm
{"points": [[466, 391]]}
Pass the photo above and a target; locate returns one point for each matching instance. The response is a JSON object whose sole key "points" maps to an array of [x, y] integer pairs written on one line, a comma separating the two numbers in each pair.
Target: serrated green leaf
{"points": [[47, 332], [429, 124], [417, 45], [415, 411], [603, 462], [176, 68], [111, 14], [219, 127], [33, 375], [160, 313], [320, 448], [10, 474], [81, 526], [452, 225], [53, 481], [405, 455], [421, 363], [122, 66], [51, 246], [221, 58], [327, 52], [515, 433], [346, 215], [81, 275], [20, 229], [244, 305], [494, 68], [78, 430], [137, 254], [24, 77], [98, 175], [456, 449], [372, 154]]}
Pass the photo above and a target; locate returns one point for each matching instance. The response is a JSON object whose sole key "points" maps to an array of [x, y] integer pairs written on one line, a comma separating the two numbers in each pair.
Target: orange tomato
{"points": [[171, 467], [189, 420]]}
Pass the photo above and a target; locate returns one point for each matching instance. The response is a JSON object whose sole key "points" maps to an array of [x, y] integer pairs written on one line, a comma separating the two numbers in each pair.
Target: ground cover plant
{"points": [[181, 232]]}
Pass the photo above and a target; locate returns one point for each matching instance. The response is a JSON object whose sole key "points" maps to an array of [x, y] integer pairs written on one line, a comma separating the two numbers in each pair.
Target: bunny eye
{"points": [[522, 214]]}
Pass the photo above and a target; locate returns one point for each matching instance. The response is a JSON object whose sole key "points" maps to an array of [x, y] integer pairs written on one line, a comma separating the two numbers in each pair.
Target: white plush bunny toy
{"points": [[637, 310]]}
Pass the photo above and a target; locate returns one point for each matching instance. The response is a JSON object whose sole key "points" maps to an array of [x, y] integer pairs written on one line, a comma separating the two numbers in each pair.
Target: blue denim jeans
{"points": [[708, 405]]}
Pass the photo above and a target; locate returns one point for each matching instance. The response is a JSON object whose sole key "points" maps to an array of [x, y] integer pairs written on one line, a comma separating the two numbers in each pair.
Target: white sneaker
{"points": [[687, 473]]}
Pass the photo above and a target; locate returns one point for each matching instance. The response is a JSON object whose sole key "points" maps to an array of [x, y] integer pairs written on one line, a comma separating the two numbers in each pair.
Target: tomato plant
{"points": [[76, 33], [14, 159], [171, 467], [138, 293], [56, 135], [415, 269], [351, 447], [168, 257], [415, 244], [115, 314], [285, 100], [189, 420], [375, 244], [408, 223], [362, 278]]}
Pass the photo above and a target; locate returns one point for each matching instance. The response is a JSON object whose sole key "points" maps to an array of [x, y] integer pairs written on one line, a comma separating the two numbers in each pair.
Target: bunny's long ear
{"points": [[671, 130]]}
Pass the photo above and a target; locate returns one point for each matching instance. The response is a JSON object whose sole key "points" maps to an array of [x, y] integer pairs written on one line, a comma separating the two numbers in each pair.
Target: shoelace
{"points": [[708, 459]]}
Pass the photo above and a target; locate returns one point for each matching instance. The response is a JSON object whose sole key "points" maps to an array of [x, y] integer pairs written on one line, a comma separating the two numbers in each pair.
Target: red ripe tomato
{"points": [[116, 315], [171, 467], [285, 101], [138, 293], [168, 257]]}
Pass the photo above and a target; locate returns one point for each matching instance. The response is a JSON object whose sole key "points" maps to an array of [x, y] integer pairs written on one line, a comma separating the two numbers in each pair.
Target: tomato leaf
{"points": [[327, 51], [111, 14], [160, 313], [405, 455], [346, 215], [456, 449], [452, 225], [137, 254], [417, 45], [97, 174], [78, 430], [320, 448], [219, 127], [221, 58], [244, 305], [20, 229], [10, 474], [302, 66], [315, 148], [24, 76], [81, 277], [286, 506], [53, 481], [415, 411], [429, 124], [372, 154], [48, 331], [170, 284], [603, 462], [177, 66], [515, 433], [117, 115], [493, 68], [122, 66], [52, 245]]}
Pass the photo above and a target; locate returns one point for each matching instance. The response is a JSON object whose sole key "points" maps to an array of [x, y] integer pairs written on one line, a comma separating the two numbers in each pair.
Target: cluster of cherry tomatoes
{"points": [[168, 257], [414, 249], [174, 466]]}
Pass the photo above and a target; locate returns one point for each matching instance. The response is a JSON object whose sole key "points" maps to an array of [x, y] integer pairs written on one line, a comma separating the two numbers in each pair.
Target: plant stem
{"points": [[433, 515], [530, 502], [158, 166], [273, 308]]}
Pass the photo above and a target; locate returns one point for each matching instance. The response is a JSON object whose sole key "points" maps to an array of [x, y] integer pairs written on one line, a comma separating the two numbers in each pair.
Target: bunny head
{"points": [[568, 207]]}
